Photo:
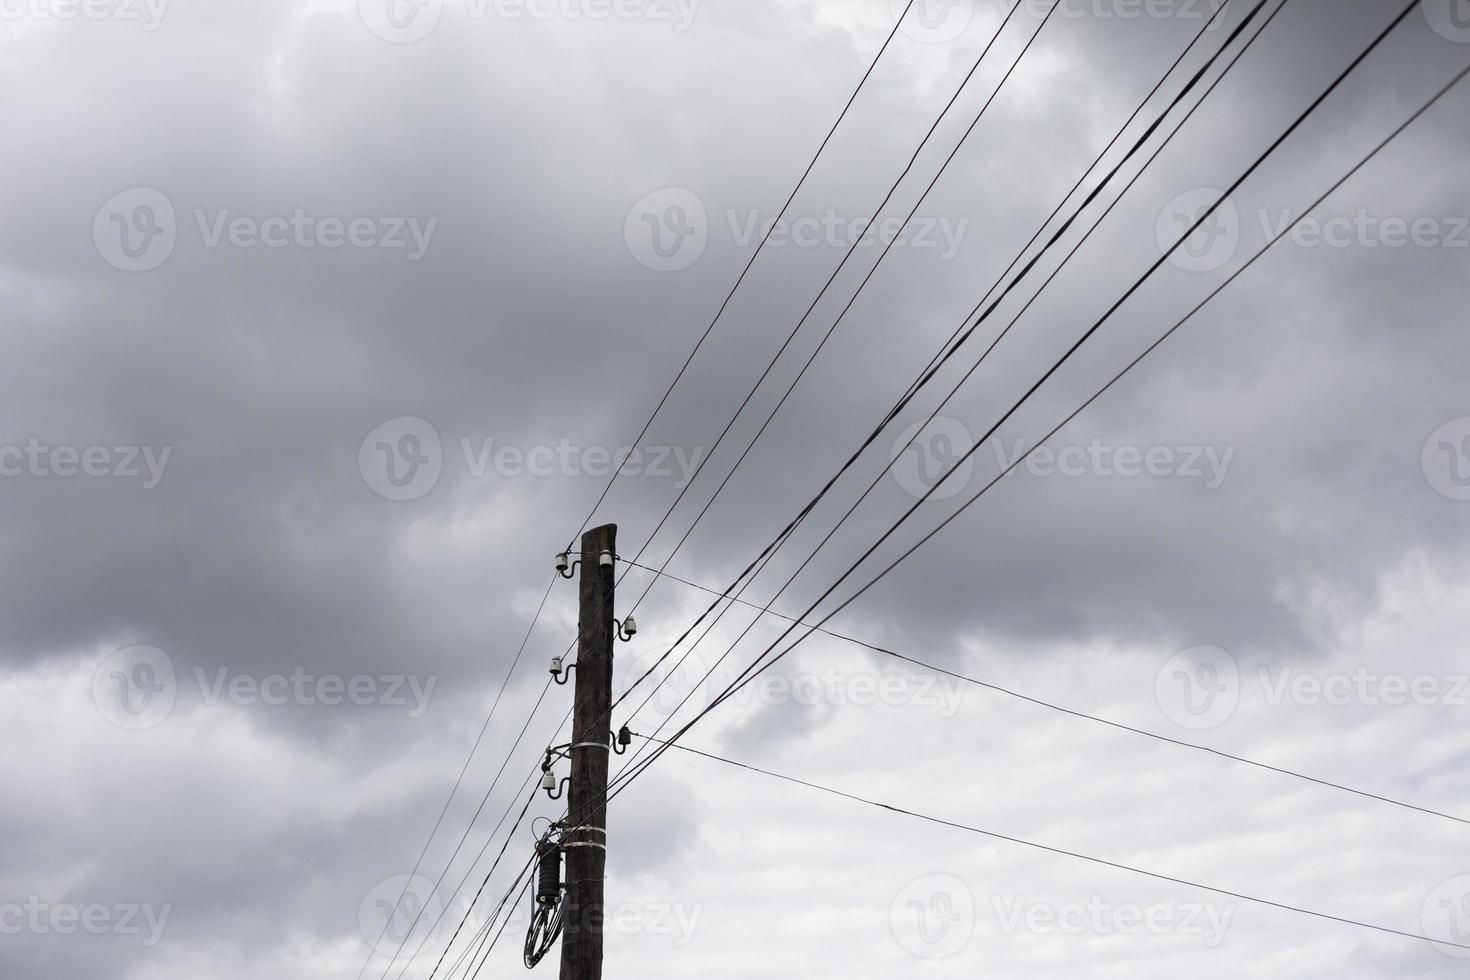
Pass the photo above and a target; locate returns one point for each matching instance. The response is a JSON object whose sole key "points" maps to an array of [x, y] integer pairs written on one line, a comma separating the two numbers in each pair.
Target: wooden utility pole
{"points": [[586, 837]]}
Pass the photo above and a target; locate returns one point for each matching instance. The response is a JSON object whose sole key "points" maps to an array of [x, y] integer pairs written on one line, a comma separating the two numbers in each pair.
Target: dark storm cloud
{"points": [[510, 154]]}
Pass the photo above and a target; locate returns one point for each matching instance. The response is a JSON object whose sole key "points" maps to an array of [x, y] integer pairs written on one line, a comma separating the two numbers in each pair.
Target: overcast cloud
{"points": [[327, 321]]}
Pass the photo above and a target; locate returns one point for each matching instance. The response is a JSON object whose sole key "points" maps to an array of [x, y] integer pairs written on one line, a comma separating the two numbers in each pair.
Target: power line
{"points": [[768, 554], [748, 266], [477, 948], [489, 839], [756, 666], [494, 942], [796, 330], [945, 356], [602, 497], [892, 190], [999, 689], [480, 809], [470, 908], [504, 683], [902, 811]]}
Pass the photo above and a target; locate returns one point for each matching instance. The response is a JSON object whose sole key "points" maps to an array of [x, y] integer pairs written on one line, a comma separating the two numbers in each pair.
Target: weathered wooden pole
{"points": [[585, 841]]}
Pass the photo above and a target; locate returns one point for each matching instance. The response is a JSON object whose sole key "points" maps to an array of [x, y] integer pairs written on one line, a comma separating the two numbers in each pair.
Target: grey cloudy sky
{"points": [[324, 319]]}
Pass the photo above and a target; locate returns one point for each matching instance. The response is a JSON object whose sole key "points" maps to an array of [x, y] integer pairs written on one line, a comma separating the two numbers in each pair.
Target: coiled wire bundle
{"points": [[546, 910]]}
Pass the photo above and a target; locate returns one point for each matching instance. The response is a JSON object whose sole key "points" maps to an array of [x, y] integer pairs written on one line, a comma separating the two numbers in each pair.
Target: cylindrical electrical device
{"points": [[548, 881], [546, 913]]}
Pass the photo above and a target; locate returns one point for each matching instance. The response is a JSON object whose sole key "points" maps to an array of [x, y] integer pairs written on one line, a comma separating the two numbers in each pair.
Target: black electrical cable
{"points": [[780, 539], [945, 356], [892, 190], [479, 948], [489, 839], [999, 689], [494, 942], [852, 250], [756, 667], [791, 337], [1092, 331], [800, 183], [510, 754], [504, 683], [902, 811], [748, 266], [471, 907]]}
